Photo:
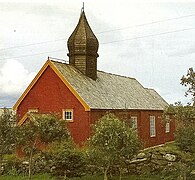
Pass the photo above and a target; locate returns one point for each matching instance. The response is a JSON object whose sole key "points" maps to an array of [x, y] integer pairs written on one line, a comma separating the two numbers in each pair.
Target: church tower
{"points": [[83, 46]]}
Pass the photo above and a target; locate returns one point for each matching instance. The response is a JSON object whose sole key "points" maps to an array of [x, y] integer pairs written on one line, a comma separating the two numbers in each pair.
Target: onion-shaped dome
{"points": [[82, 40], [83, 46]]}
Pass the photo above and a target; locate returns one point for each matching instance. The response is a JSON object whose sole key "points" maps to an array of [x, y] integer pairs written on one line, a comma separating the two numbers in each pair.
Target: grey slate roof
{"points": [[111, 91], [157, 97]]}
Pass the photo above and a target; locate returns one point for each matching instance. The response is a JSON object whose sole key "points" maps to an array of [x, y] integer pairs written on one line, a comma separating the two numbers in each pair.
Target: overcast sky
{"points": [[152, 41]]}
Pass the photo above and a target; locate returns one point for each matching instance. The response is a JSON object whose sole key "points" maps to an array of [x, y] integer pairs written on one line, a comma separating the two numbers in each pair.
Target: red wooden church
{"points": [[81, 94]]}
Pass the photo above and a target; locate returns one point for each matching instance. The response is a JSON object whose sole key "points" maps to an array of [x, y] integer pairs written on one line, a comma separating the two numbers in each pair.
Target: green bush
{"points": [[39, 164], [11, 165], [185, 139], [65, 161]]}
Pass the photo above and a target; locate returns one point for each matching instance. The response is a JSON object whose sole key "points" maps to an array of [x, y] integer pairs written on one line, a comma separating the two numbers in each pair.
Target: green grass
{"points": [[47, 177], [116, 178], [35, 177]]}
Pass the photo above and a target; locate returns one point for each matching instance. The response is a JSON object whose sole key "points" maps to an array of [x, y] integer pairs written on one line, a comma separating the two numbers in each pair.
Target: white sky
{"points": [[152, 41]]}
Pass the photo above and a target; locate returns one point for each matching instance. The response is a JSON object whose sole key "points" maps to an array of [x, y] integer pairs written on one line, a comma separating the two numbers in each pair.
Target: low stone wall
{"points": [[152, 161], [155, 161]]}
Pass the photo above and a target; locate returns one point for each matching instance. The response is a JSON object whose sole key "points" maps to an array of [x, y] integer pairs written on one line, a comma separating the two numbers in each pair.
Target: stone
{"points": [[25, 162], [141, 155], [170, 164], [163, 153], [157, 156], [136, 161], [170, 157], [159, 162], [193, 172], [149, 155], [132, 166]]}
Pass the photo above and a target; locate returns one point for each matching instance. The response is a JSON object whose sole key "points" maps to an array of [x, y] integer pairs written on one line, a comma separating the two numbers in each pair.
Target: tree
{"points": [[185, 139], [7, 130], [189, 81], [39, 131], [113, 143], [185, 115], [185, 120]]}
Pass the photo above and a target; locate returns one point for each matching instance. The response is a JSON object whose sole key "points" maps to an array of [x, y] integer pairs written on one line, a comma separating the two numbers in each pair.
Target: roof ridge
{"points": [[117, 75], [63, 62], [59, 61], [149, 88]]}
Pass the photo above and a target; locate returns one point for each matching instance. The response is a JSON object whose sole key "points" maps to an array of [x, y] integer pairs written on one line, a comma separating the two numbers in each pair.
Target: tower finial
{"points": [[83, 47], [82, 9]]}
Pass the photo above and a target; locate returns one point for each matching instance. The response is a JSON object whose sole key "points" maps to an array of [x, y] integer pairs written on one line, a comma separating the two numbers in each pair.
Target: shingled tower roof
{"points": [[83, 46]]}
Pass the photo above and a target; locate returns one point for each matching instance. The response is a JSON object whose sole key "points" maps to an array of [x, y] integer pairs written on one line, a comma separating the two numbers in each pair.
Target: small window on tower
{"points": [[68, 114]]}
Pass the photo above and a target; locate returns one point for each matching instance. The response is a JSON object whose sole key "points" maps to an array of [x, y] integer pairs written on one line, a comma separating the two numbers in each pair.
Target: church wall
{"points": [[159, 138], [143, 124], [50, 95]]}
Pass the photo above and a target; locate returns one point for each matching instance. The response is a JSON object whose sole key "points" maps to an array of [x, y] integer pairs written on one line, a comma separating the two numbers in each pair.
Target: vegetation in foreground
{"points": [[47, 148], [95, 177]]}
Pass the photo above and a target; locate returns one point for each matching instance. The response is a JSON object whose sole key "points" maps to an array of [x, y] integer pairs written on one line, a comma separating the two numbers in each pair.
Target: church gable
{"points": [[48, 89]]}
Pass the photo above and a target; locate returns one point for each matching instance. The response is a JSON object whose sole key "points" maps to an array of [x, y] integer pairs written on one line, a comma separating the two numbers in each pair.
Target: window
{"points": [[167, 125], [68, 114], [152, 126], [134, 122], [33, 110]]}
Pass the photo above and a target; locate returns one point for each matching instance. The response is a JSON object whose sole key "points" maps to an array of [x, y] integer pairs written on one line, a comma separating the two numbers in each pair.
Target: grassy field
{"points": [[116, 178], [47, 177], [35, 177]]}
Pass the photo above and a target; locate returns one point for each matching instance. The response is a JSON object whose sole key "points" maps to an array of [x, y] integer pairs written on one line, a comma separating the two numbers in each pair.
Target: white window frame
{"points": [[152, 126], [134, 122], [33, 110], [67, 114], [167, 125]]}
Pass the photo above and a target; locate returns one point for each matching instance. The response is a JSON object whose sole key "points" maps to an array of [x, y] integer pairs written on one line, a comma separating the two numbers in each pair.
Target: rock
{"points": [[25, 162], [193, 172], [136, 161], [170, 157], [159, 162], [163, 153], [149, 155], [170, 164], [157, 156], [141, 155], [132, 166]]}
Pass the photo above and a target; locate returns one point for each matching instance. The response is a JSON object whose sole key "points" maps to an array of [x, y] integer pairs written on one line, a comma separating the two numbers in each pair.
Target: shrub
{"points": [[64, 160], [112, 144], [11, 165], [185, 138]]}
